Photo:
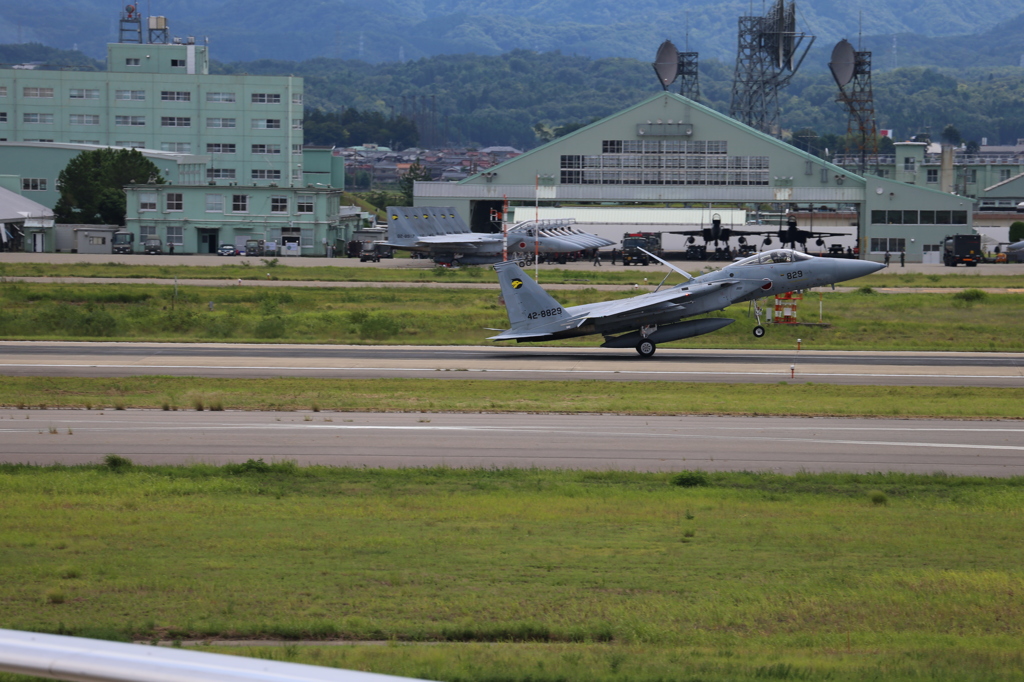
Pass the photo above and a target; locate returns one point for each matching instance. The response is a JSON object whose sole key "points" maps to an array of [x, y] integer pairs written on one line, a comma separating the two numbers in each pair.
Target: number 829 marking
{"points": [[545, 313]]}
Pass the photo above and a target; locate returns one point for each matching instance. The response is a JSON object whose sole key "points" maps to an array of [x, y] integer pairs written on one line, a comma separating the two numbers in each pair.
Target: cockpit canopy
{"points": [[774, 256]]}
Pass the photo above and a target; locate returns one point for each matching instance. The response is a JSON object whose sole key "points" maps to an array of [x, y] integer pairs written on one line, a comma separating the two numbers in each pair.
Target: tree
{"points": [[406, 180], [1016, 231], [951, 136], [91, 185]]}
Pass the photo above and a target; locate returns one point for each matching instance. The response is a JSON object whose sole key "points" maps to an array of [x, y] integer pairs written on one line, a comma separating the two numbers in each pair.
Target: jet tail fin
{"points": [[528, 305], [407, 224]]}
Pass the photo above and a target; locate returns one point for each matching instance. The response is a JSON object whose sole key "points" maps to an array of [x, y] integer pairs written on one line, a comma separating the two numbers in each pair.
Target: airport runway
{"points": [[44, 358], [598, 442]]}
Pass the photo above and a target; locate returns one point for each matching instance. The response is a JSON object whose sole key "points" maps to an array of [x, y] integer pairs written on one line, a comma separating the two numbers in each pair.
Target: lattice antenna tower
{"points": [[851, 70], [130, 25], [769, 52]]}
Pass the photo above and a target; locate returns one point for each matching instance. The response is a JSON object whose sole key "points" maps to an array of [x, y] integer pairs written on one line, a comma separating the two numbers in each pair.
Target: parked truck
{"points": [[123, 242], [961, 248], [153, 246], [254, 247], [632, 242]]}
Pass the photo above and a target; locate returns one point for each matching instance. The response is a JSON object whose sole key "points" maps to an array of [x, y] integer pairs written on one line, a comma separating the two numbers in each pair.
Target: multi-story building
{"points": [[203, 131]]}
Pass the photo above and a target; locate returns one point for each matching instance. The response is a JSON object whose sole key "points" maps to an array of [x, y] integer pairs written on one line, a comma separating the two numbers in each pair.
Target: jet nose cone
{"points": [[852, 269]]}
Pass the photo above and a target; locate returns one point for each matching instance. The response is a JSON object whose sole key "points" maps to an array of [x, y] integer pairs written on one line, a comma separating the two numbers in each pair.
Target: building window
{"points": [[147, 232], [220, 123], [179, 147], [130, 121], [239, 203], [3, 91], [214, 203], [147, 201], [296, 150], [132, 61], [37, 139], [33, 184], [3, 117], [175, 96], [266, 149], [1004, 174], [220, 97], [263, 174], [265, 98], [37, 92], [296, 124], [178, 63], [175, 122], [296, 98], [130, 144], [304, 203], [82, 93], [908, 163], [890, 244], [220, 173], [37, 118], [278, 204], [175, 235], [97, 241], [266, 123], [219, 148], [84, 119], [174, 201], [84, 141], [137, 95], [297, 175], [932, 175]]}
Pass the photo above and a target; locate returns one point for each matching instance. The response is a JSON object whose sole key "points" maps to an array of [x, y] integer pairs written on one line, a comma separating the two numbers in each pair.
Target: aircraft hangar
{"points": [[668, 150]]}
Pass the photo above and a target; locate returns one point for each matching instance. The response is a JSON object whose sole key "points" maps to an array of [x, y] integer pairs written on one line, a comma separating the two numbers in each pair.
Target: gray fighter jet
{"points": [[442, 235], [1015, 252], [658, 317]]}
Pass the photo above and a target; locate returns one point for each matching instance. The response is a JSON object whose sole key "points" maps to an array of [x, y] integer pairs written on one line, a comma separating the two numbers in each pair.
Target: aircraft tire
{"points": [[646, 348], [521, 264], [758, 331]]}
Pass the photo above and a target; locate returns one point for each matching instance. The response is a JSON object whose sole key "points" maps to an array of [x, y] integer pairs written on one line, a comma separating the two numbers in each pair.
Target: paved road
{"points": [[599, 442], [43, 358]]}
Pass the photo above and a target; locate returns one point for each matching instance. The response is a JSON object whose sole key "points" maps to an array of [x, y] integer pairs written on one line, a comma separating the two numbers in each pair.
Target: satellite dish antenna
{"points": [[844, 60], [666, 64]]}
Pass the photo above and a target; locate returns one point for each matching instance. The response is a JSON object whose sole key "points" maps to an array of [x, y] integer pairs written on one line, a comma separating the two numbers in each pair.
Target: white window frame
{"points": [[31, 118], [305, 203], [83, 93], [123, 120], [176, 147], [220, 97], [175, 121], [217, 122], [220, 173], [176, 235], [265, 174], [179, 63], [33, 184], [220, 147], [147, 201], [84, 119], [266, 98], [174, 202], [296, 98], [239, 203], [130, 95], [32, 92], [266, 149], [175, 96], [214, 203], [132, 61], [131, 144], [281, 203], [266, 123], [147, 232]]}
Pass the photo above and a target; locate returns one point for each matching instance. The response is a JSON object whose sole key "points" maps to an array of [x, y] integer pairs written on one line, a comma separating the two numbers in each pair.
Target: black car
{"points": [[227, 250]]}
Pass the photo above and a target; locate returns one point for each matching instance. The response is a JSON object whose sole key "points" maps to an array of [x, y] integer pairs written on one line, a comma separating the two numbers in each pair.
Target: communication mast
{"points": [[130, 25], [770, 51], [852, 72], [670, 63]]}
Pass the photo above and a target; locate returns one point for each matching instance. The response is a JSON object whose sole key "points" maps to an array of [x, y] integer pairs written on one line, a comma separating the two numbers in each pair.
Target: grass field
{"points": [[457, 395], [248, 269], [964, 321], [568, 575]]}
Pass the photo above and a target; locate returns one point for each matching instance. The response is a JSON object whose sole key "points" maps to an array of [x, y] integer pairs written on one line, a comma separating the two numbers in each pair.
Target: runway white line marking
{"points": [[781, 373], [517, 430]]}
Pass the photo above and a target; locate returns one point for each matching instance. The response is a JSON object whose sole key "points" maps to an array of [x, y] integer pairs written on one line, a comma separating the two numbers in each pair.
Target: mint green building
{"points": [[229, 146]]}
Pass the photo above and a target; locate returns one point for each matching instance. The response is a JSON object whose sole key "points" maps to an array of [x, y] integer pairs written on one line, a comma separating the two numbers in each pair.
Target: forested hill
{"points": [[400, 30], [498, 100]]}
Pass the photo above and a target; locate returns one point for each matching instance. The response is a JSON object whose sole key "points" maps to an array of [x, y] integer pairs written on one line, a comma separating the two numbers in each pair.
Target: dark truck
{"points": [[124, 242], [961, 248], [632, 242]]}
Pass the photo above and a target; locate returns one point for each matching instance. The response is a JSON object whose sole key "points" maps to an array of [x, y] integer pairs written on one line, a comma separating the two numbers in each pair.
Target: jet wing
{"points": [[454, 242], [658, 300]]}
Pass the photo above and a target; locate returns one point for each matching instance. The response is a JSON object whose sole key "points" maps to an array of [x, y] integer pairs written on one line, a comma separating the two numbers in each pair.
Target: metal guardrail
{"points": [[91, 660]]}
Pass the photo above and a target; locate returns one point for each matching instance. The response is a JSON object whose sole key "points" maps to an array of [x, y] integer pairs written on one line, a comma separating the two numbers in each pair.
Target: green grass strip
{"points": [[566, 575], [458, 395]]}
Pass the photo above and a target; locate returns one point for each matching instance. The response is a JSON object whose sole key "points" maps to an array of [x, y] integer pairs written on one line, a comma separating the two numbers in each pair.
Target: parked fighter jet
{"points": [[1015, 252], [793, 235], [442, 234], [648, 319]]}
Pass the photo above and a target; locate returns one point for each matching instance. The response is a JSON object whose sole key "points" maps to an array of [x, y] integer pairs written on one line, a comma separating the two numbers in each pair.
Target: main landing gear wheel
{"points": [[758, 331], [646, 348]]}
